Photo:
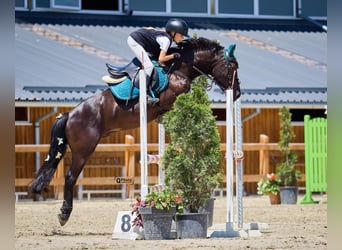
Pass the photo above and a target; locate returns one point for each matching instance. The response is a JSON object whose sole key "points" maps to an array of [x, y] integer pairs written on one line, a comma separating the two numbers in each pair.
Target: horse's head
{"points": [[226, 74], [203, 56]]}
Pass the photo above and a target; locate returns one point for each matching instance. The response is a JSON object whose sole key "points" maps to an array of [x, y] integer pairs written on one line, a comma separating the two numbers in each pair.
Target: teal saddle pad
{"points": [[127, 91]]}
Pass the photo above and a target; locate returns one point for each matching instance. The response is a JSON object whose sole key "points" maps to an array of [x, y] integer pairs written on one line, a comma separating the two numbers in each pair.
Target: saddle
{"points": [[123, 81], [118, 74]]}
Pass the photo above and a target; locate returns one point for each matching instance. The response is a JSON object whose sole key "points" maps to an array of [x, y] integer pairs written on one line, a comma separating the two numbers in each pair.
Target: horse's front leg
{"points": [[70, 181]]}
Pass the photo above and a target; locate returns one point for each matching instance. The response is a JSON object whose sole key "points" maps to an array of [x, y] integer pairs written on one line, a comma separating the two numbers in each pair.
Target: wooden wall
{"points": [[266, 122]]}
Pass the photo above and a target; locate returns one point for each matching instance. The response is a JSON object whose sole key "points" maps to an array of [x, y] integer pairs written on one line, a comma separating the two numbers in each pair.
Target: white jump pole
{"points": [[161, 137], [230, 232], [143, 134], [229, 159], [239, 162]]}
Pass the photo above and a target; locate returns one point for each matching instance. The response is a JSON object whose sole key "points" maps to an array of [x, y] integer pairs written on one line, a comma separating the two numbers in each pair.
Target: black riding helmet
{"points": [[177, 25]]}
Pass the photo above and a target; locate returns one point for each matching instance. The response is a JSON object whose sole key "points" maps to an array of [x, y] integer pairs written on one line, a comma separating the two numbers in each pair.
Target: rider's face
{"points": [[178, 37]]}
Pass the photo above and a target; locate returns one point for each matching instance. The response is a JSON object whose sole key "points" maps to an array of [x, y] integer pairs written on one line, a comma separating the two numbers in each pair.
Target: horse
{"points": [[101, 114]]}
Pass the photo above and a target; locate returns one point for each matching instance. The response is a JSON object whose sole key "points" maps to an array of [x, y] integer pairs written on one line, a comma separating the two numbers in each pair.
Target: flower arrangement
{"points": [[268, 185], [160, 198]]}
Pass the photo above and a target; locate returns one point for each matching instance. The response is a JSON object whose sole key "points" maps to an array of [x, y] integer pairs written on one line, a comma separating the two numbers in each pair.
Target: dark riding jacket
{"points": [[147, 38]]}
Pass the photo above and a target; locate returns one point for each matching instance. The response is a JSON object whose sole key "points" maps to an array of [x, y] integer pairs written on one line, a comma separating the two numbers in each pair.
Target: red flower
{"points": [[179, 199], [271, 177]]}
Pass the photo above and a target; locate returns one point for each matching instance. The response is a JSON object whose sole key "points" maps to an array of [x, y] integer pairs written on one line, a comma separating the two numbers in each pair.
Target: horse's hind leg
{"points": [[82, 143], [71, 176]]}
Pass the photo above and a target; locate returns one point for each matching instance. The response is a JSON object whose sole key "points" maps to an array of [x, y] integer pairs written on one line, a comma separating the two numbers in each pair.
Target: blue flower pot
{"points": [[288, 194]]}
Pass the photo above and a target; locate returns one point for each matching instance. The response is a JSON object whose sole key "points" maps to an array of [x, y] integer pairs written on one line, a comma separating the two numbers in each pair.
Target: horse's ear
{"points": [[229, 53]]}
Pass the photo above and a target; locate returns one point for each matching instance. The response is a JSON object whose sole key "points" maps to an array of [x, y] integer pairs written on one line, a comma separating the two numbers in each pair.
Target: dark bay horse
{"points": [[100, 115]]}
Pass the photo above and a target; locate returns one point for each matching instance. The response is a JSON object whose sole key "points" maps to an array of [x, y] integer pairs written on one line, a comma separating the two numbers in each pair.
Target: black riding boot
{"points": [[150, 80]]}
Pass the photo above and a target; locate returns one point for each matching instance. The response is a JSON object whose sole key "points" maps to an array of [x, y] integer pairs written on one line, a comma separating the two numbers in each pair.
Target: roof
{"points": [[62, 64]]}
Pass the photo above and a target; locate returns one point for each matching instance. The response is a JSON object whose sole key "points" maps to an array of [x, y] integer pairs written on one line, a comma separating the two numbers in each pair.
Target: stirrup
{"points": [[151, 97], [152, 100]]}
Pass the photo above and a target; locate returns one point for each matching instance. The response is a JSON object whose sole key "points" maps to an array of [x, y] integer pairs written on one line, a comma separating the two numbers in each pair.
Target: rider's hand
{"points": [[176, 55], [161, 64]]}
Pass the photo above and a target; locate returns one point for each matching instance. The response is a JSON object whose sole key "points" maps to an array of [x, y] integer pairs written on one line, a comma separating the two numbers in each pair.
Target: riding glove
{"points": [[176, 55]]}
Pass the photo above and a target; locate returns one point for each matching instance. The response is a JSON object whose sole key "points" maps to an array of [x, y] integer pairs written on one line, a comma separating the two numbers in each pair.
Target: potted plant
{"points": [[269, 185], [286, 172], [192, 158], [155, 213]]}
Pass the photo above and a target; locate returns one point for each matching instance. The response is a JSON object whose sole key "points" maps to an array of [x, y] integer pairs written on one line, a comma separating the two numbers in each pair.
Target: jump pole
{"points": [[243, 229], [229, 229], [145, 159], [229, 159], [161, 145], [143, 133], [239, 162]]}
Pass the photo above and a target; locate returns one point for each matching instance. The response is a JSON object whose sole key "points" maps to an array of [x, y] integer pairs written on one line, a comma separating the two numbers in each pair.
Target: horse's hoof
{"points": [[33, 189], [63, 218], [38, 197]]}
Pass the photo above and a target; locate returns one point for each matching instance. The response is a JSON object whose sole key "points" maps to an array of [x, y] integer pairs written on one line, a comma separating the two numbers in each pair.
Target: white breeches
{"points": [[141, 54]]}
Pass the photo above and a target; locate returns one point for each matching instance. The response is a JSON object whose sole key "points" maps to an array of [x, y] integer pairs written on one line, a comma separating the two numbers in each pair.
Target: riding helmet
{"points": [[177, 25]]}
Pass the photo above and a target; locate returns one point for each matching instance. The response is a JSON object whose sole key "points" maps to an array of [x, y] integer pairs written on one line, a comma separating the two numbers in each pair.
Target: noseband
{"points": [[230, 58], [231, 74]]}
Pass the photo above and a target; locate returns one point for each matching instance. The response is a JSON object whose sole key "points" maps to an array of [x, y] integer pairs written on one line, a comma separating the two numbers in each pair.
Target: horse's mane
{"points": [[202, 44], [188, 47]]}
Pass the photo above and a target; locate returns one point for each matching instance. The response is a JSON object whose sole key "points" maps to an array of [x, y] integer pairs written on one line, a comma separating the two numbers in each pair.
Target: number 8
{"points": [[126, 225]]}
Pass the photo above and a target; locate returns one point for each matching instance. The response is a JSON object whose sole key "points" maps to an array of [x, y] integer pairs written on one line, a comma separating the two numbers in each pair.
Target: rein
{"points": [[177, 72], [212, 80], [202, 73]]}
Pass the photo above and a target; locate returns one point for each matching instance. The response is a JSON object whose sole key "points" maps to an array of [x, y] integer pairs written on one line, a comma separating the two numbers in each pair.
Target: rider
{"points": [[151, 42]]}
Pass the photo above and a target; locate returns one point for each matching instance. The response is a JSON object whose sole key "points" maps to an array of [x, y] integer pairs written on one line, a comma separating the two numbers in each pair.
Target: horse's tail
{"points": [[56, 152]]}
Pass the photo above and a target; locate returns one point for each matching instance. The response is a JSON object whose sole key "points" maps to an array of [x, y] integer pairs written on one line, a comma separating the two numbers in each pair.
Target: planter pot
{"points": [[288, 194], [192, 225], [209, 208], [157, 223], [274, 198]]}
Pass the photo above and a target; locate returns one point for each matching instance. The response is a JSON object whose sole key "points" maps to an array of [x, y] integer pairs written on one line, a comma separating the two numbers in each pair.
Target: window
{"points": [[41, 4], [190, 6], [245, 7], [298, 114], [20, 4], [151, 5], [276, 8], [21, 115], [100, 5], [314, 8], [66, 4], [220, 114]]}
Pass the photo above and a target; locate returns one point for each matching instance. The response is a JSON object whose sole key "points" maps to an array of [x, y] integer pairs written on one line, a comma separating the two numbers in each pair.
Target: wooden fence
{"points": [[130, 148]]}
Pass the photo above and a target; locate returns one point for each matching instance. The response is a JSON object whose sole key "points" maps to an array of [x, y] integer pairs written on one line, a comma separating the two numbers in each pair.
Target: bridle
{"points": [[231, 72]]}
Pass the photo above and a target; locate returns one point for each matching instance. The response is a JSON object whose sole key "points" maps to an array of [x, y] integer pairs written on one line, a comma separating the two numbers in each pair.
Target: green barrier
{"points": [[315, 139]]}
